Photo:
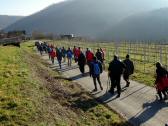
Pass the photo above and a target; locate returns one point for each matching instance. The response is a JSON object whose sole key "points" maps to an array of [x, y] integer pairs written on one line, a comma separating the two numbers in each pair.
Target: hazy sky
{"points": [[24, 7], [27, 7]]}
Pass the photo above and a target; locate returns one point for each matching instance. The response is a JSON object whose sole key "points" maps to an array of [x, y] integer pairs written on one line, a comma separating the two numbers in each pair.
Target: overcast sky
{"points": [[27, 7], [24, 7]]}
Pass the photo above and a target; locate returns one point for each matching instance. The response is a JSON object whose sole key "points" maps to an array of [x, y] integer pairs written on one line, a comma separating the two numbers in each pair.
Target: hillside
{"points": [[82, 17], [151, 25], [8, 20]]}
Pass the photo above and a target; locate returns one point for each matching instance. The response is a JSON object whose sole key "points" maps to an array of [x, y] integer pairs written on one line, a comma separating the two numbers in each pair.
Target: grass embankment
{"points": [[30, 94]]}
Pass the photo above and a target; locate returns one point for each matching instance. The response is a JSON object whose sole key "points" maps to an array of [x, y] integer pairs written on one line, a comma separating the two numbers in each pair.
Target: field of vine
{"points": [[144, 55]]}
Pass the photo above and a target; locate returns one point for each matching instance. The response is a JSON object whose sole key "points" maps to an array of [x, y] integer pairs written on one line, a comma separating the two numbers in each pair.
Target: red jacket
{"points": [[53, 54], [77, 52], [89, 56], [74, 50], [162, 83]]}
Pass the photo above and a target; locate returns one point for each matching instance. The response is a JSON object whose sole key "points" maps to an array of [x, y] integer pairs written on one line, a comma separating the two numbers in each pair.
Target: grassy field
{"points": [[31, 94], [144, 55]]}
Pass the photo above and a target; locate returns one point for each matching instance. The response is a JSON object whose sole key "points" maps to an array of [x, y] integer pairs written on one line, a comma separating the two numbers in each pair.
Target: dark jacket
{"points": [[81, 59], [129, 67], [59, 54], [161, 72], [99, 56], [116, 68]]}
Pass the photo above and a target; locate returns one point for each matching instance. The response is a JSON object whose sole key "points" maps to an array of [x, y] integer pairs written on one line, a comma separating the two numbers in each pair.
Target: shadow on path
{"points": [[107, 97], [57, 66], [62, 78], [64, 69], [150, 110], [133, 92], [85, 105], [77, 77]]}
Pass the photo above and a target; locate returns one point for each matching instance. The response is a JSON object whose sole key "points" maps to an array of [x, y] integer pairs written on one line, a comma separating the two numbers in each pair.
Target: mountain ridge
{"points": [[151, 25], [87, 18], [6, 20]]}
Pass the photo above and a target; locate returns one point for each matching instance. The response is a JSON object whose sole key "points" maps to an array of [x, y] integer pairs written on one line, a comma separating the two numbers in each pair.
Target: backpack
{"points": [[129, 67], [69, 54], [96, 69]]}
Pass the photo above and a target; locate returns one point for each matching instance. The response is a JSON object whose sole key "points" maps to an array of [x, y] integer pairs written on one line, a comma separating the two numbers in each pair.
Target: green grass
{"points": [[30, 94], [14, 77]]}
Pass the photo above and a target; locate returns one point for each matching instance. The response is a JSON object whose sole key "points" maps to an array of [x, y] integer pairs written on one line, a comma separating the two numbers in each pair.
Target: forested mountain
{"points": [[145, 26], [103, 19], [8, 20]]}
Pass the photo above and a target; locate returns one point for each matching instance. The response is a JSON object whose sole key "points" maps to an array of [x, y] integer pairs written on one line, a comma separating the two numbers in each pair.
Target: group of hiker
{"points": [[96, 65]]}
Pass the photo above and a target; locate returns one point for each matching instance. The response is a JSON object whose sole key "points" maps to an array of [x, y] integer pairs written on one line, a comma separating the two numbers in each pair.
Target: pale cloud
{"points": [[24, 7]]}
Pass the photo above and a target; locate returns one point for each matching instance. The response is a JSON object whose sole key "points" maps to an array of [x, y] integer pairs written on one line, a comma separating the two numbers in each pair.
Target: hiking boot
{"points": [[111, 92], [118, 96], [165, 98], [161, 99], [94, 90], [83, 74], [127, 85]]}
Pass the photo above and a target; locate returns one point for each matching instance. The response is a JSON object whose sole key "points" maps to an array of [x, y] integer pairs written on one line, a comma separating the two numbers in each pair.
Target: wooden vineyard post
{"points": [[125, 44], [108, 54], [148, 52], [128, 47], [161, 54], [155, 53], [165, 55], [144, 50], [166, 58], [116, 48], [135, 51]]}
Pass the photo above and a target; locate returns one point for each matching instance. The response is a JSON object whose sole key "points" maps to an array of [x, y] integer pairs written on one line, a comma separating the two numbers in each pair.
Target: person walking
{"points": [[87, 50], [103, 57], [99, 56], [161, 81], [49, 49], [40, 48], [75, 53], [52, 55], [78, 52], [115, 70], [59, 56], [64, 54], [69, 56], [82, 62], [129, 70], [89, 58], [95, 71]]}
